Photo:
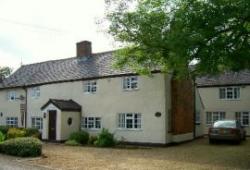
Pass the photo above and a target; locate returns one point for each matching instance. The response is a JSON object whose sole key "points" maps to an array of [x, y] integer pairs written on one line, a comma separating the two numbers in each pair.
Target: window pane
{"points": [[245, 118], [222, 93], [209, 118], [229, 93], [237, 93], [129, 123], [98, 123]]}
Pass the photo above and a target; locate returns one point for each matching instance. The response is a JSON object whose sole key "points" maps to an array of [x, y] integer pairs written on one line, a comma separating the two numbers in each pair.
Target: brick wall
{"points": [[182, 106]]}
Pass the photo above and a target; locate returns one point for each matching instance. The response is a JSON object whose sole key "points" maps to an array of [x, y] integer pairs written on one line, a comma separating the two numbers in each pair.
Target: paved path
{"points": [[12, 163]]}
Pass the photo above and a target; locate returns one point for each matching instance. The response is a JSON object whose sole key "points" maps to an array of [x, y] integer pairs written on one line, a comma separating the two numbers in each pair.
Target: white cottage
{"points": [[85, 92]]}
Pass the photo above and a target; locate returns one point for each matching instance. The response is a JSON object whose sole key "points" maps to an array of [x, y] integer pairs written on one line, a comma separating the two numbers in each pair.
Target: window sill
{"points": [[94, 129], [121, 129], [89, 93], [230, 99], [130, 90]]}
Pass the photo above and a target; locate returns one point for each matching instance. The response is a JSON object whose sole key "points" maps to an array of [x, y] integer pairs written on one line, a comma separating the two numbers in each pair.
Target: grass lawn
{"points": [[198, 154]]}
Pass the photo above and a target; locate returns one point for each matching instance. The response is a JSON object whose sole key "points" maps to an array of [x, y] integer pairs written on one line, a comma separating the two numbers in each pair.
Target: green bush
{"points": [[105, 139], [15, 133], [32, 132], [72, 143], [92, 140], [23, 146], [4, 129], [80, 137], [2, 137]]}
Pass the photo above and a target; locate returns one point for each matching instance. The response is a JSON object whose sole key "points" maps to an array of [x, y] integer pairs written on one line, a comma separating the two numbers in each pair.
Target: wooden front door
{"points": [[52, 125]]}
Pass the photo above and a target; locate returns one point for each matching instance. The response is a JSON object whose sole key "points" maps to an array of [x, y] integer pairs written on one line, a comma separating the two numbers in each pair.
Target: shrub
{"points": [[72, 143], [80, 137], [23, 146], [4, 129], [105, 139], [92, 140], [15, 133], [2, 137], [32, 132]]}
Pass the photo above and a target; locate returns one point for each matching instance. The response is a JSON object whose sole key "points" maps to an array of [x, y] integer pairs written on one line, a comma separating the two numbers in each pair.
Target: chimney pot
{"points": [[83, 49]]}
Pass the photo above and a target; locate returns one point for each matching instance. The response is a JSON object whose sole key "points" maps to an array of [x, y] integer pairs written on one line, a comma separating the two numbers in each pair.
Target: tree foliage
{"points": [[171, 34], [5, 71]]}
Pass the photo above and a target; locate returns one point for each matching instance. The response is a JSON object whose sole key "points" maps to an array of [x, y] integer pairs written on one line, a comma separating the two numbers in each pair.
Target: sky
{"points": [[39, 30]]}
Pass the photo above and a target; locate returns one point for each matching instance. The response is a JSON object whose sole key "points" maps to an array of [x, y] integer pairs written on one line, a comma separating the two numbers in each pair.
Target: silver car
{"points": [[227, 130]]}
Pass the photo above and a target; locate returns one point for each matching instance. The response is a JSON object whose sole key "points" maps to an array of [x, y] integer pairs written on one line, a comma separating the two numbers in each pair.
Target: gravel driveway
{"points": [[198, 154], [13, 163]]}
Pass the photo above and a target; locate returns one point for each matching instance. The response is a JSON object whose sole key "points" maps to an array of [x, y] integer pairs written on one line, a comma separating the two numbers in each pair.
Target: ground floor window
{"points": [[214, 116], [129, 120], [243, 118], [91, 122], [12, 121], [37, 122]]}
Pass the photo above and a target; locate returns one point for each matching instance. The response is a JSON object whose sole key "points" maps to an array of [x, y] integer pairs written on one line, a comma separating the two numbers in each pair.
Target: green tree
{"points": [[171, 34], [5, 71]]}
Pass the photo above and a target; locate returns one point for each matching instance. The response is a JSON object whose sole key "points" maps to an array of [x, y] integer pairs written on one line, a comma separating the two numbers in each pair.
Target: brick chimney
{"points": [[83, 49]]}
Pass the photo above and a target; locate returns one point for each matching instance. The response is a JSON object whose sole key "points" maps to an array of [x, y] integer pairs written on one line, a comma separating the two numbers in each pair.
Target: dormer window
{"points": [[11, 96], [229, 93], [130, 83], [35, 92], [90, 86]]}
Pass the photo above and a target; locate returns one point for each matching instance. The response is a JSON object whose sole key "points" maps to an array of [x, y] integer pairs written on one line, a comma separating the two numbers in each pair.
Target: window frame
{"points": [[240, 117], [11, 121], [129, 87], [11, 94], [35, 92], [220, 114], [88, 87], [235, 91], [37, 120], [123, 124], [86, 121]]}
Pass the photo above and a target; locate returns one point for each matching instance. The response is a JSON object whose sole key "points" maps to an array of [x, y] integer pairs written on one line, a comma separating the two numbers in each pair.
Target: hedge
{"points": [[15, 133], [23, 147], [105, 139], [80, 137], [4, 129]]}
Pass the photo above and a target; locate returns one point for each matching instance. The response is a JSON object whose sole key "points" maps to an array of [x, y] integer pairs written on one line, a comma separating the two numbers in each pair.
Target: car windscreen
{"points": [[225, 124]]}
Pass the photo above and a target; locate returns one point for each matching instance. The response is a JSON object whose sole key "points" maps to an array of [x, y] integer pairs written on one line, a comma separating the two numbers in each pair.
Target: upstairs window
{"points": [[129, 120], [90, 86], [130, 83], [37, 123], [214, 116], [243, 118], [35, 92], [12, 121], [11, 96], [229, 93]]}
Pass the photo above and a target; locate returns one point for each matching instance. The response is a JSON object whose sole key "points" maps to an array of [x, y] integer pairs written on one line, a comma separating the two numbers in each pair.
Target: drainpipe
{"points": [[26, 107], [194, 93]]}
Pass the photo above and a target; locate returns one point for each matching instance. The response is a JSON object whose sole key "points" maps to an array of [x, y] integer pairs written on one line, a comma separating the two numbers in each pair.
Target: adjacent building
{"points": [[225, 96]]}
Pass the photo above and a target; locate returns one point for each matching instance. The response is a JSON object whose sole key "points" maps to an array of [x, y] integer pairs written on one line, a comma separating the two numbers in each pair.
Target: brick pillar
{"points": [[182, 106]]}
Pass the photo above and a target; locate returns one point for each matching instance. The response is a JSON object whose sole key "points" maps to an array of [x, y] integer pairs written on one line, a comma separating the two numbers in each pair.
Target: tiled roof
{"points": [[77, 68], [228, 78], [63, 105]]}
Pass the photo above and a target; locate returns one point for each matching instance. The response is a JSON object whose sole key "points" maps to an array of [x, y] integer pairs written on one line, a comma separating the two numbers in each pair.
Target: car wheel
{"points": [[211, 141], [244, 137]]}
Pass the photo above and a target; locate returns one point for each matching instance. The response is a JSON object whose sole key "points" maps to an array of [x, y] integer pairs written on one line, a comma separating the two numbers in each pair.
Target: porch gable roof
{"points": [[63, 105]]}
